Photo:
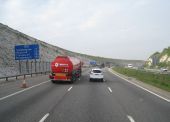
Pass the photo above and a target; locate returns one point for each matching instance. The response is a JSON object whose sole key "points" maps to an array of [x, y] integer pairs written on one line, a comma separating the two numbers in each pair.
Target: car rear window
{"points": [[97, 71]]}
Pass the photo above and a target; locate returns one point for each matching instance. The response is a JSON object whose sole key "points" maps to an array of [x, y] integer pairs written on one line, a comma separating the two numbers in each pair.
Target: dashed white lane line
{"points": [[168, 100], [70, 88], [2, 98], [110, 89], [130, 118], [44, 118]]}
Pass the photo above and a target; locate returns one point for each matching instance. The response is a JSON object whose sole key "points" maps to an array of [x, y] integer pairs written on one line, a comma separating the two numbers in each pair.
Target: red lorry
{"points": [[65, 68]]}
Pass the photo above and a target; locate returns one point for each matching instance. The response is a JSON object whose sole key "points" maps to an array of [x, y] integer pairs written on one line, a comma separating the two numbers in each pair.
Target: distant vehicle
{"points": [[65, 68], [164, 69], [130, 66], [96, 74], [102, 65]]}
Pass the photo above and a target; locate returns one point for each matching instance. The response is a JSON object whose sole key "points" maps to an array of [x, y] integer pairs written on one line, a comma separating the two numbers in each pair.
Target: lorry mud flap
{"points": [[74, 77], [78, 73]]}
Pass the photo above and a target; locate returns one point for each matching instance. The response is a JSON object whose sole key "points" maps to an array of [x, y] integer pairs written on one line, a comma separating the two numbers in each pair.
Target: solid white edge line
{"points": [[130, 118], [70, 88], [44, 118], [168, 100], [110, 89], [2, 98]]}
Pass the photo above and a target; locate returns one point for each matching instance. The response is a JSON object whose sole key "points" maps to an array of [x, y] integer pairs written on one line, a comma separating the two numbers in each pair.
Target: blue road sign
{"points": [[92, 62], [26, 52]]}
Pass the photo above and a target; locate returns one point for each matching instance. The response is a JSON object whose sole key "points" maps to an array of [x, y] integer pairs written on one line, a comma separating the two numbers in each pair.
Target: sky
{"points": [[121, 29]]}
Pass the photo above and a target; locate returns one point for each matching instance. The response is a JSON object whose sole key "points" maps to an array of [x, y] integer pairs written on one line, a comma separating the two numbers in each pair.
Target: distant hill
{"points": [[10, 37], [159, 59]]}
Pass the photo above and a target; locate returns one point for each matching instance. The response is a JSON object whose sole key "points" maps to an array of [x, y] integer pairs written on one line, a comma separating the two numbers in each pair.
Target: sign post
{"points": [[19, 66], [35, 66], [27, 66], [26, 52]]}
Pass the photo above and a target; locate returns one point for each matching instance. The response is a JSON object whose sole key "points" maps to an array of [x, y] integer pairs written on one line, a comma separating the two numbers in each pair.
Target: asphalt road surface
{"points": [[113, 100]]}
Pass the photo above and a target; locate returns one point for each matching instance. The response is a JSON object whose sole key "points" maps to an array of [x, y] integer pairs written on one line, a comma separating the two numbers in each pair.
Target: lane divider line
{"points": [[168, 100], [110, 89], [2, 98], [130, 118], [70, 88], [44, 118]]}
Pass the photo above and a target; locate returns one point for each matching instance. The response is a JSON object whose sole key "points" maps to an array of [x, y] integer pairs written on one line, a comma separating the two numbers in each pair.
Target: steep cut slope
{"points": [[10, 37], [159, 59]]}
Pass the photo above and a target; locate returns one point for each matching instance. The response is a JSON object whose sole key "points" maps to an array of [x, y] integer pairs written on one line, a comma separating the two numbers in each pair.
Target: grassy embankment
{"points": [[159, 80]]}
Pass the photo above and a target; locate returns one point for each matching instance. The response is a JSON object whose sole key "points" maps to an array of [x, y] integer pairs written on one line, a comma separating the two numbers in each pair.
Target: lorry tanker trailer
{"points": [[65, 68]]}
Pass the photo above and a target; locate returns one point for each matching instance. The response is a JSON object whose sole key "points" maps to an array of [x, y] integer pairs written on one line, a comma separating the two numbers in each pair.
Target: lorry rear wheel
{"points": [[53, 81], [71, 81], [73, 78]]}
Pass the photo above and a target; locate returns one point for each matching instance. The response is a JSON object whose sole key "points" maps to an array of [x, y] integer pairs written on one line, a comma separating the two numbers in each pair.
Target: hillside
{"points": [[10, 37], [159, 59]]}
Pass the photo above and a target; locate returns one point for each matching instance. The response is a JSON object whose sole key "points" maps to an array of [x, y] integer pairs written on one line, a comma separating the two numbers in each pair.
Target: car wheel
{"points": [[101, 80]]}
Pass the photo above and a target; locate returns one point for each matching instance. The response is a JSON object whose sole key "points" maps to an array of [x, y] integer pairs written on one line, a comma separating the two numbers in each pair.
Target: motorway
{"points": [[113, 100]]}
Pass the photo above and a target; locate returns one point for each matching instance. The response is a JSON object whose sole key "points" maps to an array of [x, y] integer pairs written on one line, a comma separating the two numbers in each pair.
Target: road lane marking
{"points": [[44, 118], [2, 98], [130, 118], [70, 88], [110, 89], [168, 100]]}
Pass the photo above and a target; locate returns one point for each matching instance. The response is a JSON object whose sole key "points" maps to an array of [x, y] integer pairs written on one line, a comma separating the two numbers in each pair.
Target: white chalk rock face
{"points": [[150, 61], [168, 60], [163, 58]]}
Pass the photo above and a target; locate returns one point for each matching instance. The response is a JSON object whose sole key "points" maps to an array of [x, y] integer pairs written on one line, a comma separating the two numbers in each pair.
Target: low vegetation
{"points": [[159, 80]]}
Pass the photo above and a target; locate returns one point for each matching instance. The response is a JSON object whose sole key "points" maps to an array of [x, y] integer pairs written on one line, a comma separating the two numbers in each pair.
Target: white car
{"points": [[164, 69], [130, 66], [96, 74]]}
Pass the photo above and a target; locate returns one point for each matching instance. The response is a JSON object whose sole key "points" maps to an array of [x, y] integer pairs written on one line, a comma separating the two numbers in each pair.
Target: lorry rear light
{"points": [[65, 70], [51, 77]]}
